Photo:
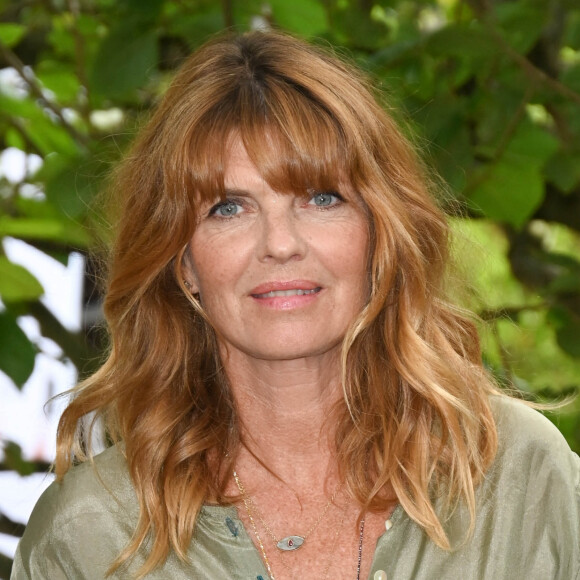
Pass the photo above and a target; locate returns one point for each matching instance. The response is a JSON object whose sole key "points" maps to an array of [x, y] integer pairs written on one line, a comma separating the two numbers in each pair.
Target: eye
{"points": [[325, 199], [226, 209]]}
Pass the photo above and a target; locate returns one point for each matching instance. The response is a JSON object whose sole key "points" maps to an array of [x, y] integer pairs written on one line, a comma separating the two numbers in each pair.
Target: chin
{"points": [[280, 350]]}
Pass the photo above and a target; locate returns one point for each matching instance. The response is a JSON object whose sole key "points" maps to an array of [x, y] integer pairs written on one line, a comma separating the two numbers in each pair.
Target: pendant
{"points": [[290, 543]]}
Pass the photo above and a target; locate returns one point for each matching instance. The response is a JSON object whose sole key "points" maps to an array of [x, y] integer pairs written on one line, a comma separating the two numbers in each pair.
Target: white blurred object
{"points": [[62, 284], [25, 417]]}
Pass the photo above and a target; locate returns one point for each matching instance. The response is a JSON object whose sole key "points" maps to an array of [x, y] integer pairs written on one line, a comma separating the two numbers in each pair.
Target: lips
{"points": [[297, 292], [285, 288]]}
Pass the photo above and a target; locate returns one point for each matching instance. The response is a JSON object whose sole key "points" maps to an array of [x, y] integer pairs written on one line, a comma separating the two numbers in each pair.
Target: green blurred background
{"points": [[490, 89]]}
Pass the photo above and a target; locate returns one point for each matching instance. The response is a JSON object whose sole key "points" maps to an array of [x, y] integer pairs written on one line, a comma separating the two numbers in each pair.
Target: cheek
{"points": [[216, 264], [352, 247], [346, 254]]}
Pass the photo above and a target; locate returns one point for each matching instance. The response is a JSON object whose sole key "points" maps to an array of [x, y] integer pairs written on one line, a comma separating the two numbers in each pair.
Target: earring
{"points": [[187, 284]]}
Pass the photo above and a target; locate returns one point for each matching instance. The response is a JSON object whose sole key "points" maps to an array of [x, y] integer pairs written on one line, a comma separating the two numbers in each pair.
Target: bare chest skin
{"points": [[331, 546]]}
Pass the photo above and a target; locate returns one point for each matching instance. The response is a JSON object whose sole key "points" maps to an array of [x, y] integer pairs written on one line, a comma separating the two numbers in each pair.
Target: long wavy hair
{"points": [[416, 419]]}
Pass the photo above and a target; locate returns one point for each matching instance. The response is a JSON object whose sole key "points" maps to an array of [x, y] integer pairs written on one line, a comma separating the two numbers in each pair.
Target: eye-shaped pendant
{"points": [[290, 543]]}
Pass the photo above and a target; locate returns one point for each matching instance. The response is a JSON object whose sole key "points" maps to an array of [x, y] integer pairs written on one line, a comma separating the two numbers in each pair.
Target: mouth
{"points": [[292, 292]]}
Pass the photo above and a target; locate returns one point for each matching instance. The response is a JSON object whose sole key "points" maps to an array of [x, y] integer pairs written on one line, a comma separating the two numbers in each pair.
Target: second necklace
{"points": [[287, 543]]}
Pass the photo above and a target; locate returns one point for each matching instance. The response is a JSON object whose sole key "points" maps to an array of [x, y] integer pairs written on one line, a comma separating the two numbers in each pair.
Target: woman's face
{"points": [[280, 276]]}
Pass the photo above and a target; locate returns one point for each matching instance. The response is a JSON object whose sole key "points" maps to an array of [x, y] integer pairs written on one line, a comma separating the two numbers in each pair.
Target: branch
{"points": [[36, 90], [507, 312], [73, 345], [228, 13], [9, 527], [5, 566], [75, 9], [532, 71], [514, 122]]}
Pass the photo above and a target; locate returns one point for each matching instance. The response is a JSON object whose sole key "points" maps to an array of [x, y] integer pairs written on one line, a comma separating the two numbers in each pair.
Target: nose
{"points": [[282, 238]]}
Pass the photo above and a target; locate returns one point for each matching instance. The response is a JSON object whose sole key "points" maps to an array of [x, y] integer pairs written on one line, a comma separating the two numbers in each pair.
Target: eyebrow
{"points": [[236, 192]]}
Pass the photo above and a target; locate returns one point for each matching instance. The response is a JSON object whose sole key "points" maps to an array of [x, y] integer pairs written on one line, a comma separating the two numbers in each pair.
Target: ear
{"points": [[189, 275]]}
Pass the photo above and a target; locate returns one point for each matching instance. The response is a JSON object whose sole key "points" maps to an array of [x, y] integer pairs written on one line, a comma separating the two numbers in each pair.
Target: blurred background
{"points": [[489, 88]]}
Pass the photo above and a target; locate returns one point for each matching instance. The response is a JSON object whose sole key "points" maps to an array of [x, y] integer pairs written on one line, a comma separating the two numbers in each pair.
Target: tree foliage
{"points": [[491, 87]]}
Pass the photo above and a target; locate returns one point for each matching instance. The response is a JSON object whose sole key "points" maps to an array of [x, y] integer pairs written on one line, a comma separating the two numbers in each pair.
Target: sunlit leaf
{"points": [[14, 138], [11, 33], [60, 79], [57, 229]]}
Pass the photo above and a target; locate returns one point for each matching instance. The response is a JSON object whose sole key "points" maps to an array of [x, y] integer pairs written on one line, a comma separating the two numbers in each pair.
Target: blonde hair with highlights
{"points": [[416, 416]]}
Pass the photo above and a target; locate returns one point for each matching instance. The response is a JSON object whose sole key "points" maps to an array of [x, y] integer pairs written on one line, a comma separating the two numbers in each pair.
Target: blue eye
{"points": [[325, 199], [225, 209]]}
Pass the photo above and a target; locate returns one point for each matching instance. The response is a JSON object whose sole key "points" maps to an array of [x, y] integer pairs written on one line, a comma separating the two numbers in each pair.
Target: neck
{"points": [[283, 408]]}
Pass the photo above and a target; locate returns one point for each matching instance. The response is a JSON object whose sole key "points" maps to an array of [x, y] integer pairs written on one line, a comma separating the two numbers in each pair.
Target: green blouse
{"points": [[527, 525]]}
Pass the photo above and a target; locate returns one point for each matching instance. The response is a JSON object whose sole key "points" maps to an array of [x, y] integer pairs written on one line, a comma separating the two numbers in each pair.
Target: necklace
{"points": [[248, 504], [292, 542]]}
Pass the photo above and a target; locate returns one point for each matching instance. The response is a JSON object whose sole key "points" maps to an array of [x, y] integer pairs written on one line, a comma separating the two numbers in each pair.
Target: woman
{"points": [[288, 392]]}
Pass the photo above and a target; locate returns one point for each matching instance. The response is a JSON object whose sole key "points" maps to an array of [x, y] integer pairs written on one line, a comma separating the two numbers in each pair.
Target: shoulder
{"points": [[102, 484], [526, 433], [528, 503], [86, 518], [533, 488]]}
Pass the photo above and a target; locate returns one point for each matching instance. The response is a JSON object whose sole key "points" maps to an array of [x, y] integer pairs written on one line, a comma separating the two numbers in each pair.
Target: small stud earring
{"points": [[187, 284]]}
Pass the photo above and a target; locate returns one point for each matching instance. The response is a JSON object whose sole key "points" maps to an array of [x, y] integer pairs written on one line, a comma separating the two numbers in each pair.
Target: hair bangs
{"points": [[296, 144]]}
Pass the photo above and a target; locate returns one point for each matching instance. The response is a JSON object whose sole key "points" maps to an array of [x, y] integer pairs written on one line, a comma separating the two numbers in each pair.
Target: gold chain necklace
{"points": [[292, 542], [248, 504]]}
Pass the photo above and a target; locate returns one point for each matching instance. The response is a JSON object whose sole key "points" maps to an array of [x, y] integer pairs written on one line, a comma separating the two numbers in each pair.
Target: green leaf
{"points": [[568, 336], [510, 191], [571, 77], [18, 107], [16, 352], [72, 182], [17, 283], [462, 40], [307, 17], [523, 22], [14, 460], [195, 28], [48, 136], [352, 25], [563, 170], [125, 60], [143, 12], [572, 30], [11, 34], [532, 143]]}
